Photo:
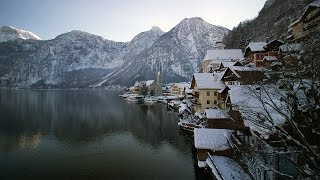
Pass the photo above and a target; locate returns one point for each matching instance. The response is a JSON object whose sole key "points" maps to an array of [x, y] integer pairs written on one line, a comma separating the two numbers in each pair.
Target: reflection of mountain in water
{"points": [[77, 116]]}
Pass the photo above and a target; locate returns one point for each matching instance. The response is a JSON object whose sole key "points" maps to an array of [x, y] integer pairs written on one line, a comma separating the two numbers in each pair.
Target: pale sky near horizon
{"points": [[120, 20]]}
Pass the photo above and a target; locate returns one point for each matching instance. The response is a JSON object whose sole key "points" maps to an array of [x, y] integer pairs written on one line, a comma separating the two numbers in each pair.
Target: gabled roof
{"points": [[232, 70], [256, 46], [274, 44], [229, 64], [207, 81], [224, 54], [216, 114], [149, 82]]}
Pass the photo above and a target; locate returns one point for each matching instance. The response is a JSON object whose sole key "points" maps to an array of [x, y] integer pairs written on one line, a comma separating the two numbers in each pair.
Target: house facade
{"points": [[205, 91], [256, 52], [237, 75], [307, 24], [179, 89]]}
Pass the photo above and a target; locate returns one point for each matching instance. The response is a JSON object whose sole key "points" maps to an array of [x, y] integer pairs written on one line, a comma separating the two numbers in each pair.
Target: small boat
{"points": [[125, 95], [135, 98], [151, 100], [187, 125], [174, 105]]}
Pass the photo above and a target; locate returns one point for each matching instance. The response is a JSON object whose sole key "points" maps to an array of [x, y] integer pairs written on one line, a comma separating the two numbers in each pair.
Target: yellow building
{"points": [[308, 23], [206, 88], [179, 88]]}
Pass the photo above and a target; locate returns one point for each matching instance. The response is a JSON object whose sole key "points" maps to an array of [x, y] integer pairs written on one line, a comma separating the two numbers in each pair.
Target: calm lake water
{"points": [[90, 134]]}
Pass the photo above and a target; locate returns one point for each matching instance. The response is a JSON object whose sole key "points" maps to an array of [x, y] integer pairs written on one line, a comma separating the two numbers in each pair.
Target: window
{"points": [[214, 102], [208, 102], [208, 93], [215, 93]]}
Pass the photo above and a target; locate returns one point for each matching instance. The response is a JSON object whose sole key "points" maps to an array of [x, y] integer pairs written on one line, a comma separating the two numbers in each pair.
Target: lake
{"points": [[90, 134]]}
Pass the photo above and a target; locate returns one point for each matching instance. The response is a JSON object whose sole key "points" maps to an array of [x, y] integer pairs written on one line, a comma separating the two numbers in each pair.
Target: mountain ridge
{"points": [[81, 59]]}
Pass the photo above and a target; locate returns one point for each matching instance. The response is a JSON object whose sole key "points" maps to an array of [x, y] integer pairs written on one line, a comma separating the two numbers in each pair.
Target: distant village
{"points": [[234, 105]]}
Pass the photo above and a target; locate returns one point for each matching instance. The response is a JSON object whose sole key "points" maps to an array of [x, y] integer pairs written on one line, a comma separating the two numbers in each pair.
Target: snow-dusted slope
{"points": [[8, 33], [80, 59], [179, 51], [73, 59]]}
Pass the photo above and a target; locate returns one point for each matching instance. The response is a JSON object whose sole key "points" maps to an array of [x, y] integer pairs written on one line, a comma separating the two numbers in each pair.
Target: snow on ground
{"points": [[216, 114], [259, 107], [225, 168]]}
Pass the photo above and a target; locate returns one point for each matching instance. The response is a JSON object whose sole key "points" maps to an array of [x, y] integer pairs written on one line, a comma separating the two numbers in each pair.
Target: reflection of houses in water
{"points": [[29, 141], [22, 141]]}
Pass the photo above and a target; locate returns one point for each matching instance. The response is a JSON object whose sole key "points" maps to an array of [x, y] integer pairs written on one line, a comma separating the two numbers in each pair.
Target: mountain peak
{"points": [[76, 34], [9, 33], [156, 28], [193, 19]]}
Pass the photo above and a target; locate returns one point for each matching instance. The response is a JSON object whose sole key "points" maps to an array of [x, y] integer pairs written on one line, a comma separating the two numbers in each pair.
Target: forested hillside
{"points": [[271, 23]]}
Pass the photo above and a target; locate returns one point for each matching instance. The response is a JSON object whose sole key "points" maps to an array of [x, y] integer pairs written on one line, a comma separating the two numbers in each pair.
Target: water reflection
{"points": [[88, 133]]}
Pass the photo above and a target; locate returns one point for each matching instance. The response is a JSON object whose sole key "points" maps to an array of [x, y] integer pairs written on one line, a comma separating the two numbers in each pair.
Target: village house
{"points": [[256, 52], [213, 58], [217, 119], [206, 88], [307, 24], [144, 87], [237, 75], [223, 119], [211, 142], [179, 88]]}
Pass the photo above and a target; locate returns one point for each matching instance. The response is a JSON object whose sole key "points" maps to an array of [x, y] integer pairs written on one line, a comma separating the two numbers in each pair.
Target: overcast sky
{"points": [[120, 20]]}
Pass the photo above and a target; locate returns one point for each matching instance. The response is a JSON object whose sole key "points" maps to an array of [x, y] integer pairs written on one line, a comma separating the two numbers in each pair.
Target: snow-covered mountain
{"points": [[8, 33], [80, 59], [179, 51]]}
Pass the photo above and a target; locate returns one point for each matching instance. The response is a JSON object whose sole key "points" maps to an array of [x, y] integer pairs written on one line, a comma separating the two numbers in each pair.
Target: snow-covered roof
{"points": [[199, 114], [256, 46], [224, 168], [227, 63], [188, 90], [270, 58], [233, 71], [247, 68], [259, 107], [216, 114], [213, 139], [208, 81], [224, 54], [182, 85], [149, 82], [184, 107]]}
